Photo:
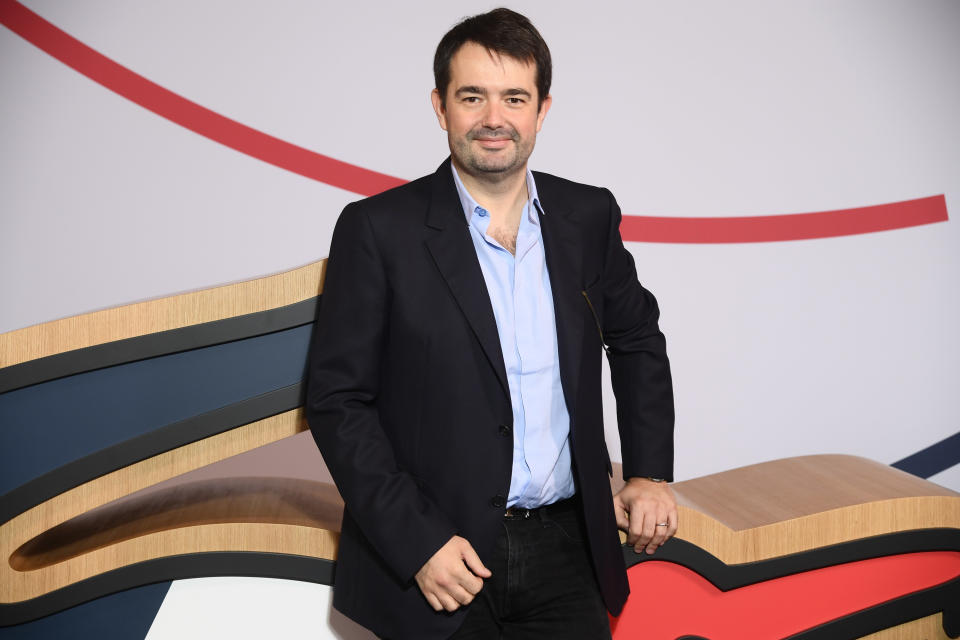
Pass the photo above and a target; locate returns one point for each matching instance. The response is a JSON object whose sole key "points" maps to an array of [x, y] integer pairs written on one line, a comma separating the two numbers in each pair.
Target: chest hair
{"points": [[506, 236]]}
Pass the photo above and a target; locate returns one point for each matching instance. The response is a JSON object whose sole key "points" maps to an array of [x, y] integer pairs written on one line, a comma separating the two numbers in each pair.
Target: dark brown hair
{"points": [[500, 31]]}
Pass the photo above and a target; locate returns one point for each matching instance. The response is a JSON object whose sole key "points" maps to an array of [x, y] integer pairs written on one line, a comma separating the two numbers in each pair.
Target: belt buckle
{"points": [[518, 513]]}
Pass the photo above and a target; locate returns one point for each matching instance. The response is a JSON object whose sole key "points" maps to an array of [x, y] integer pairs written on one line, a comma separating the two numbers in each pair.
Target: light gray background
{"points": [[683, 109]]}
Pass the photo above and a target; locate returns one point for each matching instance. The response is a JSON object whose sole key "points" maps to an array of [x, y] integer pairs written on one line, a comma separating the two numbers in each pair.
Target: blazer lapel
{"points": [[564, 255], [455, 257]]}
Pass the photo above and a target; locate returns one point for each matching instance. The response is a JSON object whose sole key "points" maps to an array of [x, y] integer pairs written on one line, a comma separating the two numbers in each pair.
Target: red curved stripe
{"points": [[190, 115], [798, 226], [316, 166], [686, 604]]}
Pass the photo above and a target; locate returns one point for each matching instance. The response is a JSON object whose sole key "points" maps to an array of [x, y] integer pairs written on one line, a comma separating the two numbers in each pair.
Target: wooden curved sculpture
{"points": [[824, 546], [184, 453], [146, 395]]}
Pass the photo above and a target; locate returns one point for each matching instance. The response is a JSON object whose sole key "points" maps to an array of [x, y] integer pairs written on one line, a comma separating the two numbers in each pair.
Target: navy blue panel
{"points": [[934, 459], [121, 616], [194, 336], [50, 424]]}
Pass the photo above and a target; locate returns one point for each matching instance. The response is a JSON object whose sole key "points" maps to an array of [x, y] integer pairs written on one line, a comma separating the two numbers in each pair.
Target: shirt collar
{"points": [[470, 205]]}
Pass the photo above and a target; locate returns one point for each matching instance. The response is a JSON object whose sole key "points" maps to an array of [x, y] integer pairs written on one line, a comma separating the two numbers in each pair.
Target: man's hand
{"points": [[639, 507], [452, 576]]}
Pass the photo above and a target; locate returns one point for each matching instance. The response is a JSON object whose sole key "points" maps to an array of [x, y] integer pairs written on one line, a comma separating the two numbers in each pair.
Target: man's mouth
{"points": [[493, 143], [493, 138]]}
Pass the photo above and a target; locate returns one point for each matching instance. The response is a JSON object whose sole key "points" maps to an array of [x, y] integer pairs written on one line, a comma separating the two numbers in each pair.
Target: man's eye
{"points": [[471, 99], [515, 100]]}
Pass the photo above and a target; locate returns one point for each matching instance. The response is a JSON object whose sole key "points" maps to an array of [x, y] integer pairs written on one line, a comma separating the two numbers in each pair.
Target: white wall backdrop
{"points": [[845, 344]]}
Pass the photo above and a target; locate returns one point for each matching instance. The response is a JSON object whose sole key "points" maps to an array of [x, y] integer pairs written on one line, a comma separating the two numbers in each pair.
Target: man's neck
{"points": [[503, 197]]}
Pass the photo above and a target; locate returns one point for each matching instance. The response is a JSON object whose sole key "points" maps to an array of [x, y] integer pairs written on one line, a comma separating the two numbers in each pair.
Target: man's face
{"points": [[491, 116]]}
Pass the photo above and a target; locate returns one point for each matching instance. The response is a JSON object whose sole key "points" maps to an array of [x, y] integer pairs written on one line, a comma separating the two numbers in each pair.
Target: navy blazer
{"points": [[408, 398]]}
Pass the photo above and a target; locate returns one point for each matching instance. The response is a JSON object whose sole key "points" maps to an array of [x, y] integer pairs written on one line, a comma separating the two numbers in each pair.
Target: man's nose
{"points": [[493, 115]]}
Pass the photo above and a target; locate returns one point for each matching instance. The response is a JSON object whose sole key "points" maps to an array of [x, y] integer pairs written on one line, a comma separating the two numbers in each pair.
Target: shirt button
{"points": [[498, 501], [504, 430]]}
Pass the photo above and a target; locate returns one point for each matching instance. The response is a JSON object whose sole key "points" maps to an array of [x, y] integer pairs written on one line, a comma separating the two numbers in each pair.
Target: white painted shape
{"points": [[251, 608], [949, 478]]}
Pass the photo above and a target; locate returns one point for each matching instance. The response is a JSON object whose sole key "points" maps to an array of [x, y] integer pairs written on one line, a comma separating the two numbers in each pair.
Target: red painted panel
{"points": [[668, 600]]}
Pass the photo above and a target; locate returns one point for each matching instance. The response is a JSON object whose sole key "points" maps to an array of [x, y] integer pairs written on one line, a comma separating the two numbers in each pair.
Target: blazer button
{"points": [[498, 501], [505, 430]]}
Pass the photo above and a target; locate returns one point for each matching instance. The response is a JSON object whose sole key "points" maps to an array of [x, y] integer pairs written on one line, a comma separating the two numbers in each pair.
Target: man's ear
{"points": [[544, 107], [438, 109]]}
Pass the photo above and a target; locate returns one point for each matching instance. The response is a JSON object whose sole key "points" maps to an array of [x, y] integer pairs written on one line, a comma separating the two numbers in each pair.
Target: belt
{"points": [[522, 513]]}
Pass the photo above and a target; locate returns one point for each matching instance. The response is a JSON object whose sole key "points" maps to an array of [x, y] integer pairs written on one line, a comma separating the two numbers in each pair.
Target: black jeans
{"points": [[543, 584]]}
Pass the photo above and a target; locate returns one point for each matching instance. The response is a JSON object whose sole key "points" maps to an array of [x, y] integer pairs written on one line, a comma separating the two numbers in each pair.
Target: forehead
{"points": [[475, 65]]}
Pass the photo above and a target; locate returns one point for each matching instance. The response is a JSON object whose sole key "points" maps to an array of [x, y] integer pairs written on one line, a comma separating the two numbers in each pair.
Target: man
{"points": [[455, 376]]}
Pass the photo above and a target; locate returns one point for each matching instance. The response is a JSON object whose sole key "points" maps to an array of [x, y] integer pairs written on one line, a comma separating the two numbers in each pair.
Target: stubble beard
{"points": [[491, 165]]}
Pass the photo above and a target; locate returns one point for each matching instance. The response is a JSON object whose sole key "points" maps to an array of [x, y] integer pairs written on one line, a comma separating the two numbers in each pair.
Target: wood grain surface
{"points": [[162, 314], [771, 509], [755, 513], [262, 486], [16, 586], [929, 628], [277, 501]]}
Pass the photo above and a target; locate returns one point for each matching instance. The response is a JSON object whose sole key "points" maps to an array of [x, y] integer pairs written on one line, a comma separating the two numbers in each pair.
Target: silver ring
{"points": [[662, 524]]}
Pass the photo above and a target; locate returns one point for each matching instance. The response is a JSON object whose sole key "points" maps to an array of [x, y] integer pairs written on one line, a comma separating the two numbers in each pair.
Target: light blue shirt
{"points": [[522, 300]]}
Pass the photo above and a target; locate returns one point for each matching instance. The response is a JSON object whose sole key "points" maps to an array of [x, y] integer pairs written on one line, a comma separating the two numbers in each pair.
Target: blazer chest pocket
{"points": [[593, 299]]}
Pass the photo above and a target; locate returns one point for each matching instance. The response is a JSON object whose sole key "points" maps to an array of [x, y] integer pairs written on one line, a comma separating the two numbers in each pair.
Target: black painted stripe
{"points": [[938, 457], [121, 455], [156, 344], [733, 576], [181, 567]]}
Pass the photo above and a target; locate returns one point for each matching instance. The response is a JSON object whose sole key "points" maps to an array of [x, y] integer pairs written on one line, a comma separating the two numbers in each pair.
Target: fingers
{"points": [[467, 583], [642, 526], [455, 597], [623, 518], [473, 562], [661, 532], [446, 601], [640, 507], [452, 590], [655, 529], [447, 592], [446, 581], [673, 522]]}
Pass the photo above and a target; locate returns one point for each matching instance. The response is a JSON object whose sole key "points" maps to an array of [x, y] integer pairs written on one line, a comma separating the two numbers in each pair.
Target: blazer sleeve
{"points": [[402, 524], [639, 368]]}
